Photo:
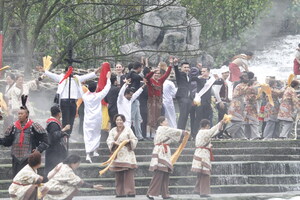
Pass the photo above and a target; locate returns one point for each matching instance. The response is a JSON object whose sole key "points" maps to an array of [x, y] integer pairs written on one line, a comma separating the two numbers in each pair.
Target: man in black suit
{"points": [[183, 92]]}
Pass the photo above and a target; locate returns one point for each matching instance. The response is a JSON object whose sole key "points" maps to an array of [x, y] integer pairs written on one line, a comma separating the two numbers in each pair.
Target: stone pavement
{"points": [[238, 196], [250, 196]]}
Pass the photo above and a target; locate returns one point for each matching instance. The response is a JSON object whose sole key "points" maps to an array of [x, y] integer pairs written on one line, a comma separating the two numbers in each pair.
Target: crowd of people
{"points": [[139, 104]]}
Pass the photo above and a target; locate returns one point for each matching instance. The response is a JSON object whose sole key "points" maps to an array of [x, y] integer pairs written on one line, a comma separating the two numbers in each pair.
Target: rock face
{"points": [[165, 32]]}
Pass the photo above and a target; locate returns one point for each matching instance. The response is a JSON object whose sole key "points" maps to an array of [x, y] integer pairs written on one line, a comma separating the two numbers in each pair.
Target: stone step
{"points": [[191, 180], [189, 158], [215, 180], [183, 169], [216, 143], [174, 190], [190, 151]]}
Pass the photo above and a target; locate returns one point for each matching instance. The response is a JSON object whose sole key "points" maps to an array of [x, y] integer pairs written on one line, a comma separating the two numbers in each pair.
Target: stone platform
{"points": [[240, 167]]}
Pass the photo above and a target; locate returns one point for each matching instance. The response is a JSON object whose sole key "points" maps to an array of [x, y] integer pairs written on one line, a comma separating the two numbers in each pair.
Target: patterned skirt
{"points": [[154, 105]]}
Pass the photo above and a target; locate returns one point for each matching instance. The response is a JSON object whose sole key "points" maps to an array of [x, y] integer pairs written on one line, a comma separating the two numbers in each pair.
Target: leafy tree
{"points": [[223, 22], [96, 27]]}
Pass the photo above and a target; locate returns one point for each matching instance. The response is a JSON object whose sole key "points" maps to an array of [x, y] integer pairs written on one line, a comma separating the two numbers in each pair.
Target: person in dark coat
{"points": [[57, 150]]}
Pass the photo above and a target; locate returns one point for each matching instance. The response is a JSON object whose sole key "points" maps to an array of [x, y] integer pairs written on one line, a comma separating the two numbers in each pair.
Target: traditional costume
{"points": [[234, 67], [23, 138], [290, 104], [202, 159], [169, 92], [251, 123], [125, 163], [154, 103], [93, 118], [161, 160], [15, 94], [57, 150], [64, 184], [24, 185], [271, 112], [236, 110]]}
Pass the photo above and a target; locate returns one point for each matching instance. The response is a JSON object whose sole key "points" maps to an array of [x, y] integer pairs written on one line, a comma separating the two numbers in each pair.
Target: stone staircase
{"points": [[240, 167]]}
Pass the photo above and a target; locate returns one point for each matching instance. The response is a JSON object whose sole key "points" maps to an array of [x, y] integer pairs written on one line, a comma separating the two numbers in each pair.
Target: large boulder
{"points": [[167, 32]]}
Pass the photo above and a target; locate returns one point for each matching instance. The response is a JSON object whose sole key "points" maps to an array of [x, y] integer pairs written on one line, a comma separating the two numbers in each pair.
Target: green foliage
{"points": [[96, 27], [224, 21]]}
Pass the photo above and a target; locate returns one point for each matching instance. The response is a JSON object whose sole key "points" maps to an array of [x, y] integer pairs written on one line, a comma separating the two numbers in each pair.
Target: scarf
{"points": [[19, 126], [53, 120], [68, 73]]}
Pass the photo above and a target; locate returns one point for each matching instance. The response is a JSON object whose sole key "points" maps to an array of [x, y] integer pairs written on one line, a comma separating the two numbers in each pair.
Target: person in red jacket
{"points": [[155, 81]]}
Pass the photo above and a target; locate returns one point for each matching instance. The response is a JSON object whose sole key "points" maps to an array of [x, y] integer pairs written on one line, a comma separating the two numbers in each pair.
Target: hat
{"points": [[224, 69]]}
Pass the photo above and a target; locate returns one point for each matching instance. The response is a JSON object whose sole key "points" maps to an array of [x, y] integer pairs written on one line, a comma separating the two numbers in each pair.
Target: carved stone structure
{"points": [[165, 32]]}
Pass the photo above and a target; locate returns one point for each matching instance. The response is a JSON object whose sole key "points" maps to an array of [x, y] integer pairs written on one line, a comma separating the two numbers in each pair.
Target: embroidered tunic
{"points": [[23, 182], [289, 104], [161, 154], [202, 156], [237, 105], [63, 184], [126, 157]]}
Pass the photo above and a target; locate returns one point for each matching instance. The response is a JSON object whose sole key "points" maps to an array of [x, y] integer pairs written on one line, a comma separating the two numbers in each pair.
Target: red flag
{"points": [[102, 78], [67, 74]]}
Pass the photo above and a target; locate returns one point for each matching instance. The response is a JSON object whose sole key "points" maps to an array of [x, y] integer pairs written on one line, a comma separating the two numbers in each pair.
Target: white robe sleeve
{"points": [[121, 94], [53, 76], [85, 77], [136, 94], [103, 93]]}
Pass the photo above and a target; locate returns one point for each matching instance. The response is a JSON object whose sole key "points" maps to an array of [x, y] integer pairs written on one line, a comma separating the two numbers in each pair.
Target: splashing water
{"points": [[276, 59]]}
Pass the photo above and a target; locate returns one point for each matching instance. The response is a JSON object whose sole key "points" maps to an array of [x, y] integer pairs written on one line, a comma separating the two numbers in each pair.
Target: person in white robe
{"points": [[17, 90], [93, 117], [125, 163], [161, 163], [25, 183], [169, 92], [125, 99], [63, 182], [203, 155]]}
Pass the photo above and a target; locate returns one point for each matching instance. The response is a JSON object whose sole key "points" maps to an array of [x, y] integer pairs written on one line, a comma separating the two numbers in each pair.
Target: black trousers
{"points": [[185, 105], [222, 112], [202, 112], [68, 110], [112, 112]]}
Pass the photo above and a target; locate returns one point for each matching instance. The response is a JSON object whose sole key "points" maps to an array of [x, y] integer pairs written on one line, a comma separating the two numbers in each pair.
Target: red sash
{"points": [[53, 120], [210, 151], [19, 126], [165, 146]]}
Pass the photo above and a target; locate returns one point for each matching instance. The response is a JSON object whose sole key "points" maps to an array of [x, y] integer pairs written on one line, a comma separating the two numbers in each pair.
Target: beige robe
{"points": [[161, 154], [16, 93], [22, 182], [64, 183], [201, 161], [126, 157]]}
